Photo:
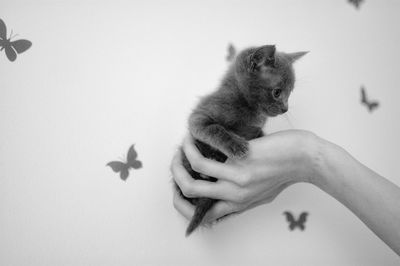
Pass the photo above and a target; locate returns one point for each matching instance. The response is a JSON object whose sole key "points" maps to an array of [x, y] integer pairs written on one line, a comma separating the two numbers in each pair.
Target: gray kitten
{"points": [[257, 85]]}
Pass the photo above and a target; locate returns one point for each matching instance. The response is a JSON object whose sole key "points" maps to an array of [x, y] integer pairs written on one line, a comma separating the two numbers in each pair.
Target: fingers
{"points": [[221, 209], [207, 166], [183, 206], [192, 188]]}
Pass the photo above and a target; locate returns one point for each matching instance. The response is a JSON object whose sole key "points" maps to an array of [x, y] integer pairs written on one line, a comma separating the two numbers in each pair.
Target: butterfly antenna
{"points": [[12, 36]]}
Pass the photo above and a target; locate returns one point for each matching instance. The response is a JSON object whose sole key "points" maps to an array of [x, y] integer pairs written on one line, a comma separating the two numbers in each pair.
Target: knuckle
{"points": [[243, 180], [188, 191], [242, 196], [197, 166]]}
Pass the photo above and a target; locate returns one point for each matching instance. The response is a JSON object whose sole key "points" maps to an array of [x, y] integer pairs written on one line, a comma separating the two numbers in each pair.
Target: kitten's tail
{"points": [[202, 206]]}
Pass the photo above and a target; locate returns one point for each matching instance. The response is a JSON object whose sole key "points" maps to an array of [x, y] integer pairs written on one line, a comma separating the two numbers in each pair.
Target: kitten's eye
{"points": [[276, 93]]}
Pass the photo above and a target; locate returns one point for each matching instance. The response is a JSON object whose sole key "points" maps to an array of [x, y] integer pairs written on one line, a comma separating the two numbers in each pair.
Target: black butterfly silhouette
{"points": [[356, 3], [371, 105], [12, 48], [300, 223], [231, 53], [123, 168]]}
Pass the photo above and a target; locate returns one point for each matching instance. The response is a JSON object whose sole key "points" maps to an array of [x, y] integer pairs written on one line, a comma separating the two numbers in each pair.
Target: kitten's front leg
{"points": [[217, 136]]}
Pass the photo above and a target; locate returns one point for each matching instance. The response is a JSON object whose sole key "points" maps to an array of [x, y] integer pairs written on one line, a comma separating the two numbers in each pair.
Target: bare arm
{"points": [[373, 198], [279, 160]]}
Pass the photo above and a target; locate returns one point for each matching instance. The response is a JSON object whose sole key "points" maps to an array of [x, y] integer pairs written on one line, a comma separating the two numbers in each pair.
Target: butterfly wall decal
{"points": [[231, 53], [123, 167], [356, 3], [293, 223], [371, 105], [12, 48]]}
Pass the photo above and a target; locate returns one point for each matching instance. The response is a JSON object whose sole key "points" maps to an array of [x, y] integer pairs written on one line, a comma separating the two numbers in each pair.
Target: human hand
{"points": [[273, 163]]}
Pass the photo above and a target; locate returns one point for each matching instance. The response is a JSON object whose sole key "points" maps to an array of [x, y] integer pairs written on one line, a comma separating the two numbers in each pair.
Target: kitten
{"points": [[257, 85]]}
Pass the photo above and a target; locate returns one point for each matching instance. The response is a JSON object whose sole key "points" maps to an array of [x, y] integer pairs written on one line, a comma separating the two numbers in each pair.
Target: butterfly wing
{"points": [[3, 43], [131, 158], [289, 217], [121, 168], [303, 217], [11, 54], [3, 30], [117, 166], [373, 106], [124, 174], [136, 164], [132, 155], [21, 45], [301, 221], [363, 96]]}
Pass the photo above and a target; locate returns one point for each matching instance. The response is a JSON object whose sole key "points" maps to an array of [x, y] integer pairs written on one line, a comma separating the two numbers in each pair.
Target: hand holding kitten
{"points": [[272, 164]]}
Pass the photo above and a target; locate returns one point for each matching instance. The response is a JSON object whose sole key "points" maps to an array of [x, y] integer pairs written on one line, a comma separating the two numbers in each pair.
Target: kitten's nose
{"points": [[284, 109]]}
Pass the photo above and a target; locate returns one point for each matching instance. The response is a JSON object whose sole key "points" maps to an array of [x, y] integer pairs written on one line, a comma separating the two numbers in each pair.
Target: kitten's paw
{"points": [[237, 149]]}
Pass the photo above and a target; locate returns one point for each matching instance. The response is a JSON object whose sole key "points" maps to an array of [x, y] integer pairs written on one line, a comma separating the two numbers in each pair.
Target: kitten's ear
{"points": [[296, 56], [262, 55]]}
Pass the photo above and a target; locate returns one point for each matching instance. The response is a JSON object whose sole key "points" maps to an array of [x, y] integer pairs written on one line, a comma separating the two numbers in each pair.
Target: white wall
{"points": [[102, 75]]}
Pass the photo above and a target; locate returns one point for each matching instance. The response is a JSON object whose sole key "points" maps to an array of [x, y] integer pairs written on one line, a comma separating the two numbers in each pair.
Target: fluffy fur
{"points": [[257, 85]]}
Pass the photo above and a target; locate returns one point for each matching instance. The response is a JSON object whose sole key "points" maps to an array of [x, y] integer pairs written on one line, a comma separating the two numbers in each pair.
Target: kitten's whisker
{"points": [[286, 115]]}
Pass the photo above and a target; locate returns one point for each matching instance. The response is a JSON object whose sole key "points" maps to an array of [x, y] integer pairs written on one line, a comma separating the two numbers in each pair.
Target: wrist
{"points": [[310, 150], [323, 158]]}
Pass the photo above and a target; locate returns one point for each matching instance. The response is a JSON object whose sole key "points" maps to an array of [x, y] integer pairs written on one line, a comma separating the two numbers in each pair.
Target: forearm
{"points": [[374, 199]]}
